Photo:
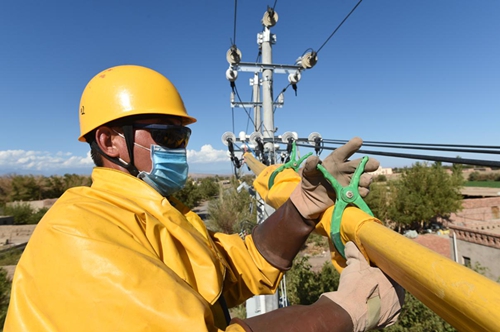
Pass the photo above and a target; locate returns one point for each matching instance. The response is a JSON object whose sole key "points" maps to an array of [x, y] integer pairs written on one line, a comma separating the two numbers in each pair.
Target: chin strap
{"points": [[128, 133]]}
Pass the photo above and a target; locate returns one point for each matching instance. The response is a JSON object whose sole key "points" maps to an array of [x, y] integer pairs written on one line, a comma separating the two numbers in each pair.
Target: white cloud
{"points": [[21, 160], [25, 162], [207, 155]]}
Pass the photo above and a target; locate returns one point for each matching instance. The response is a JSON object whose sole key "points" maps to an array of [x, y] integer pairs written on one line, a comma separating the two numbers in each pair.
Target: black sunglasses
{"points": [[169, 136]]}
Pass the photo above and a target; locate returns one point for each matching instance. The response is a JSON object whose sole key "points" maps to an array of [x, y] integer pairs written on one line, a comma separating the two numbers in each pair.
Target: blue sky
{"points": [[425, 71]]}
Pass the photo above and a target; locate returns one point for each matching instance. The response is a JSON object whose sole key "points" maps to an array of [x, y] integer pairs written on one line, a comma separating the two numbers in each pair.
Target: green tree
{"points": [[305, 285], [474, 176], [422, 194], [55, 186], [378, 200], [25, 188], [75, 180], [5, 188], [416, 317], [23, 213], [232, 212], [208, 187], [189, 195], [457, 176], [29, 187]]}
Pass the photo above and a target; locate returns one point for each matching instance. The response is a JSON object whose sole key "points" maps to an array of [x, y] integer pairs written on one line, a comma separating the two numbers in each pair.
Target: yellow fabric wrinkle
{"points": [[119, 255], [238, 276]]}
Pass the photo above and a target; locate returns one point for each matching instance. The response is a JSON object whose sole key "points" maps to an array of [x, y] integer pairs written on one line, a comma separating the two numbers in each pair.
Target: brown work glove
{"points": [[371, 298], [314, 195]]}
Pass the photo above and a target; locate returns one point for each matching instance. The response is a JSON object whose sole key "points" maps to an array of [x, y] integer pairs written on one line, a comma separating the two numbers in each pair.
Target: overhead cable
{"points": [[246, 111], [338, 27], [421, 146], [274, 6], [457, 160], [234, 25], [278, 96]]}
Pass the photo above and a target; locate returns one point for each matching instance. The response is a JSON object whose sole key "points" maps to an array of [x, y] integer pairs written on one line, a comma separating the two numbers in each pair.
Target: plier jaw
{"points": [[345, 196]]}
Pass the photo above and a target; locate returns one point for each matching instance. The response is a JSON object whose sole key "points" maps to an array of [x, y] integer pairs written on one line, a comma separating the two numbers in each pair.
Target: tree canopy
{"points": [[421, 195], [33, 188]]}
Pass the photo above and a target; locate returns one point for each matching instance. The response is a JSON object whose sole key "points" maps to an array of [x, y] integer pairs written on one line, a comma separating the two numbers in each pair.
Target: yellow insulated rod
{"points": [[256, 166], [462, 297]]}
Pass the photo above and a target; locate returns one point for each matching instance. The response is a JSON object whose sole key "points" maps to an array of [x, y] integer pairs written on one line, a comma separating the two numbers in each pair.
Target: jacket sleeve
{"points": [[247, 273]]}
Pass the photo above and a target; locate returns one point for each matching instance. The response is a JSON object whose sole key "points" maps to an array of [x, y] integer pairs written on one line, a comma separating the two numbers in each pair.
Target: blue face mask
{"points": [[170, 170]]}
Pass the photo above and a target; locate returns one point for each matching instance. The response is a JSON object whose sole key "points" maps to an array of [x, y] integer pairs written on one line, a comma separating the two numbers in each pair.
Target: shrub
{"points": [[5, 285], [305, 286], [24, 214]]}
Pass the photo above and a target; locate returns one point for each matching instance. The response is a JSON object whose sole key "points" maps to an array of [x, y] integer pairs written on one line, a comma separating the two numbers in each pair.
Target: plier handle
{"points": [[292, 163], [345, 196]]}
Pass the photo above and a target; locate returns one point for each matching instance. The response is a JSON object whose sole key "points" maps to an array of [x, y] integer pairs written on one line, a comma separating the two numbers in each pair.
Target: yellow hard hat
{"points": [[127, 90]]}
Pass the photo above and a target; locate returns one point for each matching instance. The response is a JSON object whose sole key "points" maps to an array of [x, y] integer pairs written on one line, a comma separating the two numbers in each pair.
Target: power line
{"points": [[234, 25], [340, 141], [246, 111], [430, 147], [456, 160], [274, 6], [338, 27], [478, 149]]}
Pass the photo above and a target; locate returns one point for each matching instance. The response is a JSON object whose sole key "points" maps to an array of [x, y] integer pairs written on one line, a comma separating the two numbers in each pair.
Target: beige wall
{"points": [[10, 234], [477, 209], [486, 257]]}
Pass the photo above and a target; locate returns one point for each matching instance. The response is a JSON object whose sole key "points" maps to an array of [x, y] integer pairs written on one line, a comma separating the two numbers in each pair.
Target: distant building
{"points": [[477, 209], [382, 171], [475, 235], [15, 234]]}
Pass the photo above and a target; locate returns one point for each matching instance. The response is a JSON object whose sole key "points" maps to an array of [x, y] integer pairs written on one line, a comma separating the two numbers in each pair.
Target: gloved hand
{"points": [[314, 195], [372, 299]]}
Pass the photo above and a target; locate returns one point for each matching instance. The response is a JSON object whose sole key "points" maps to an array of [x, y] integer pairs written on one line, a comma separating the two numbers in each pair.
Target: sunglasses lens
{"points": [[173, 137]]}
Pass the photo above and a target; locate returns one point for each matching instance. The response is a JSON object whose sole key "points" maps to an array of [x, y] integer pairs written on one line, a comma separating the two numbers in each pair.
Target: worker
{"points": [[124, 255]]}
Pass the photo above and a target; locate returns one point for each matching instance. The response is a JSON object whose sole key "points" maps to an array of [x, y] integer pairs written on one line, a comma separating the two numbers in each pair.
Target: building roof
{"points": [[486, 233], [434, 242]]}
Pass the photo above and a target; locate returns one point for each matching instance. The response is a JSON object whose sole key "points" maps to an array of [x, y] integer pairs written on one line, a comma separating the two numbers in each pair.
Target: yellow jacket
{"points": [[120, 257]]}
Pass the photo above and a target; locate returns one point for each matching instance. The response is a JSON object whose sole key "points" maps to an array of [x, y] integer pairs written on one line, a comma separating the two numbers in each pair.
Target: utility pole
{"points": [[265, 303], [263, 138], [267, 39]]}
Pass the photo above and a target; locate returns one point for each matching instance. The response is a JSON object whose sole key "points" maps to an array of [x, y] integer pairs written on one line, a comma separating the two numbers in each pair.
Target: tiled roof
{"points": [[437, 243]]}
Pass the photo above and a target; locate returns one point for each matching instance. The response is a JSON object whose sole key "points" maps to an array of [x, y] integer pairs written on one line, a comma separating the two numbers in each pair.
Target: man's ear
{"points": [[107, 140]]}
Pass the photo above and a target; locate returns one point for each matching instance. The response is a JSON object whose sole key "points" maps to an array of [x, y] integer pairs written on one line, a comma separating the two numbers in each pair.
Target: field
{"points": [[485, 184]]}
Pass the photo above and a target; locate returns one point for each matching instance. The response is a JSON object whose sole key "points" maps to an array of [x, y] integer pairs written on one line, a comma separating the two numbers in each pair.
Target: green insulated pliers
{"points": [[292, 163], [345, 196]]}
